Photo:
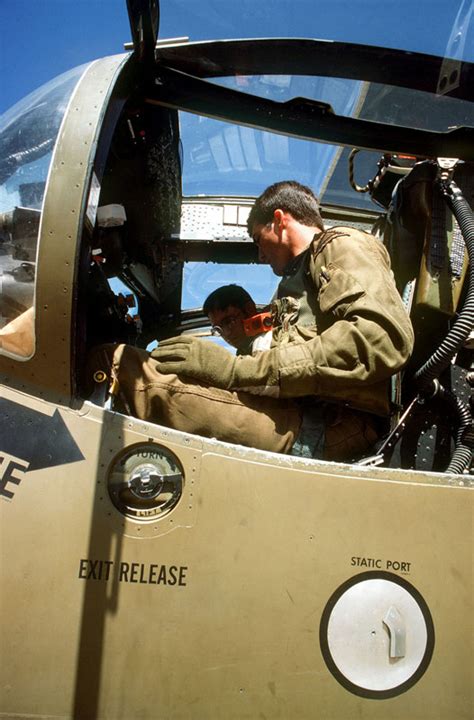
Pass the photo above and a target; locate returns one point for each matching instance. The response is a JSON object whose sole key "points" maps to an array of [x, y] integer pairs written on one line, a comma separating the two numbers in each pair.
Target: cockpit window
{"points": [[200, 279], [368, 101], [28, 133], [224, 159], [398, 25]]}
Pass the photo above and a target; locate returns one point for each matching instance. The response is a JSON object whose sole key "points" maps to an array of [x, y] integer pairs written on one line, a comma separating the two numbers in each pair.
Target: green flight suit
{"points": [[351, 331]]}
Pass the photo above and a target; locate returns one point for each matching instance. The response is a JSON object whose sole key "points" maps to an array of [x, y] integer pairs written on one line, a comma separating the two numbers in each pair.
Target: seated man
{"points": [[234, 316], [340, 332]]}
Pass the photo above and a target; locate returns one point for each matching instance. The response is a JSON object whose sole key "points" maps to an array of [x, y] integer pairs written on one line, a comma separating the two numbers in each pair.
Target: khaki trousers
{"points": [[235, 417]]}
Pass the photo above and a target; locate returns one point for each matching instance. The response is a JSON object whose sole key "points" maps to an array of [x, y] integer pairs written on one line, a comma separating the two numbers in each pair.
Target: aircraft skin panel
{"points": [[215, 609]]}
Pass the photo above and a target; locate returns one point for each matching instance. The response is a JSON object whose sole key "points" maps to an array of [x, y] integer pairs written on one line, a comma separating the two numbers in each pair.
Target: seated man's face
{"points": [[229, 321]]}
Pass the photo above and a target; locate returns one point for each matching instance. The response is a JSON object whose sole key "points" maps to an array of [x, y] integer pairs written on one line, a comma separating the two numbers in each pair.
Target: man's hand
{"points": [[213, 365], [199, 359]]}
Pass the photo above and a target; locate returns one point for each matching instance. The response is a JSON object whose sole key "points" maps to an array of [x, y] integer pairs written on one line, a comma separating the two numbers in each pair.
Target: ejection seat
{"points": [[430, 259]]}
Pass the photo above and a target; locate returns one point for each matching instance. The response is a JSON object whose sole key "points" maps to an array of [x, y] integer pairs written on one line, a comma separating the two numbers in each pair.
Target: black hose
{"points": [[426, 376], [462, 328], [462, 455]]}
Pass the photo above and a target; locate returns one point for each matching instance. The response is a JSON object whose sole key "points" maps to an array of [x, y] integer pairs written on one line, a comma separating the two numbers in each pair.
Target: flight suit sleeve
{"points": [[364, 332]]}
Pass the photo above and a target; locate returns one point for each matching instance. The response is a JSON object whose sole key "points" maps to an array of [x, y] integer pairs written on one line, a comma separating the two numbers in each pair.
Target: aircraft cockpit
{"points": [[132, 179]]}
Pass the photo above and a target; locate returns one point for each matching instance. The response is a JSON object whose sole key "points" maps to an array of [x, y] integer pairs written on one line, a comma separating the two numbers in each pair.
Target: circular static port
{"points": [[377, 635]]}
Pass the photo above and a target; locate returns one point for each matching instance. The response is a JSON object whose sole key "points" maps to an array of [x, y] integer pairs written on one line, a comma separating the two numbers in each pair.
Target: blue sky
{"points": [[42, 38]]}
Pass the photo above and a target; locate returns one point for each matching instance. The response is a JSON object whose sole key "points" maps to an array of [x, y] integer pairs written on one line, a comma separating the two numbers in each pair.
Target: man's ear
{"points": [[279, 221]]}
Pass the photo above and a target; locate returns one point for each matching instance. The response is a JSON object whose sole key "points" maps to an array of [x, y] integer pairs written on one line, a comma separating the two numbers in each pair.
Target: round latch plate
{"points": [[377, 635], [146, 482]]}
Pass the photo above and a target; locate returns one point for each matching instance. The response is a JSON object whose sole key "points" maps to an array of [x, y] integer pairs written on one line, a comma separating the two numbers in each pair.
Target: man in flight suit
{"points": [[341, 331]]}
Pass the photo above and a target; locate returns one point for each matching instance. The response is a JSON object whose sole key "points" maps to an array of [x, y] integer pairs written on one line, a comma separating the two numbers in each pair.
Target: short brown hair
{"points": [[289, 196]]}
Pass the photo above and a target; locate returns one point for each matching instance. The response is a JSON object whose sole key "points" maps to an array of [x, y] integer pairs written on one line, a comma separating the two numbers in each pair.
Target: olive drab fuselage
{"points": [[154, 573]]}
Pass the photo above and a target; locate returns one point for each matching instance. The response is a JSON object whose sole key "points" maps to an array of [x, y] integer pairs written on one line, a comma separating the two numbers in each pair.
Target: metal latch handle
{"points": [[396, 628]]}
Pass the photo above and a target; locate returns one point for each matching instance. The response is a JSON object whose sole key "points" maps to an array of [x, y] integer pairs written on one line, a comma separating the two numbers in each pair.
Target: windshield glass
{"points": [[368, 101], [28, 133], [437, 28], [224, 159]]}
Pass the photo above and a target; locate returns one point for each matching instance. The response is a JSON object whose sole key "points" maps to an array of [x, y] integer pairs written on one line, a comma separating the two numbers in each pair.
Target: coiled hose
{"points": [[455, 339]]}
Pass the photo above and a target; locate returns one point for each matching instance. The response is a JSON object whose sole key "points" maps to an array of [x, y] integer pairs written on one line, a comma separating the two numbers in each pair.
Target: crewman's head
{"points": [[226, 308], [283, 221]]}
